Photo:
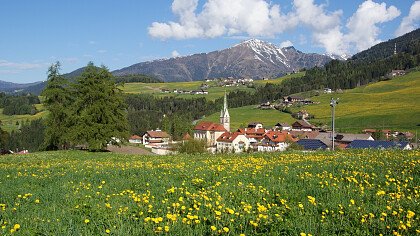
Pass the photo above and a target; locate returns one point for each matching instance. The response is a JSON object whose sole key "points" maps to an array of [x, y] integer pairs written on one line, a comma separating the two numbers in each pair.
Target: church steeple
{"points": [[224, 115]]}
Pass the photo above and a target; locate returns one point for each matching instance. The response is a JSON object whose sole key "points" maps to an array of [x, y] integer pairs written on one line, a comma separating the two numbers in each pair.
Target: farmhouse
{"points": [[232, 142], [155, 137], [135, 139]]}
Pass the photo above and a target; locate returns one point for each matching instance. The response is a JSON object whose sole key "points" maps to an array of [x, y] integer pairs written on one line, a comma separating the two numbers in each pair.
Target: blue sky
{"points": [[34, 34]]}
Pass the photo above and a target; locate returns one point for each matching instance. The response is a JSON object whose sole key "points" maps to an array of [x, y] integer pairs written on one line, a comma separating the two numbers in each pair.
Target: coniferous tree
{"points": [[57, 101], [99, 111]]}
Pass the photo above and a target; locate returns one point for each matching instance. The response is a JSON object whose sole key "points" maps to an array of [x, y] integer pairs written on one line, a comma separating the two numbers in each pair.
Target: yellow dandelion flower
{"points": [[226, 229], [16, 227], [107, 231], [87, 221], [37, 201], [410, 214], [213, 228], [166, 228]]}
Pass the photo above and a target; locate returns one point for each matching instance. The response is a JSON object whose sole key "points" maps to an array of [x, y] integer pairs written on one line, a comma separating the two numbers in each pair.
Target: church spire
{"points": [[224, 115]]}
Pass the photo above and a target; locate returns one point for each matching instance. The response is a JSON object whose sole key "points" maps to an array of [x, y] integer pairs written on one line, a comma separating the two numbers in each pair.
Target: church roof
{"points": [[209, 126]]}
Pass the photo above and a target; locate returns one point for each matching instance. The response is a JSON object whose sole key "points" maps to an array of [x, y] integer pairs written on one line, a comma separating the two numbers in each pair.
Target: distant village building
{"points": [[327, 90], [266, 106], [255, 125], [155, 137], [283, 126], [397, 73], [302, 125]]}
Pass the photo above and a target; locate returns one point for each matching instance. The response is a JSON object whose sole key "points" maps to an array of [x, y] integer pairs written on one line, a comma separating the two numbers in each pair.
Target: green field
{"points": [[392, 104], [240, 117], [9, 123], [79, 193]]}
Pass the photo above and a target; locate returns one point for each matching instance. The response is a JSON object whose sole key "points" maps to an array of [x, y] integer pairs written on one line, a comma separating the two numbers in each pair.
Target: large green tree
{"points": [[57, 100], [99, 113]]}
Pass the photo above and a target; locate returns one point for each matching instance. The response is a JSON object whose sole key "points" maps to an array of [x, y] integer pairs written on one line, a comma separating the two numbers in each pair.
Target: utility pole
{"points": [[333, 103]]}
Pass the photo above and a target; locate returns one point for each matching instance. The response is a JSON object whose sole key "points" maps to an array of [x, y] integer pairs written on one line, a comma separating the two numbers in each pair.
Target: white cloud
{"points": [[410, 22], [220, 17], [21, 66], [102, 51], [261, 18], [286, 44], [175, 54], [362, 25], [92, 42]]}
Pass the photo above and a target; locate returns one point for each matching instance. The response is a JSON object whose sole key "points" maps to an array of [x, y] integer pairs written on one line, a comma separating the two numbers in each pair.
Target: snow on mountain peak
{"points": [[265, 50]]}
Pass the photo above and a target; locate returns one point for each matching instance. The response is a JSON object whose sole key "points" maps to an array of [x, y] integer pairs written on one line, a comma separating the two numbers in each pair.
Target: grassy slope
{"points": [[214, 92], [389, 104], [321, 193]]}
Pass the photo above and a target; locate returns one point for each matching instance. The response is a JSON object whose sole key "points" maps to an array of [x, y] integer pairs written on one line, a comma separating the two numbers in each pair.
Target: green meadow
{"points": [[240, 117], [290, 193], [214, 92]]}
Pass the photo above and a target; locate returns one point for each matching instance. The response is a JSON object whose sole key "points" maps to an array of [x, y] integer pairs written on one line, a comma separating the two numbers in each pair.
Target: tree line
{"points": [[18, 104]]}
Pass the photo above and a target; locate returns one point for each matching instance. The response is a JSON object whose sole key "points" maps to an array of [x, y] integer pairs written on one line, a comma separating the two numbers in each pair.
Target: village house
{"points": [[303, 125], [232, 142], [156, 137], [254, 135], [255, 125], [275, 141], [135, 139], [282, 126]]}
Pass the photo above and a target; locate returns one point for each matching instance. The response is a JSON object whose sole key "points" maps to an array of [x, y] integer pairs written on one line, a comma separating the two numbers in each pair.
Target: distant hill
{"points": [[386, 49], [252, 58], [11, 87]]}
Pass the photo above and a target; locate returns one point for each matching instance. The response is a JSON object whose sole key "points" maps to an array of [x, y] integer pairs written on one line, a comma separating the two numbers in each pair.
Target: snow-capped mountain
{"points": [[342, 57], [252, 58]]}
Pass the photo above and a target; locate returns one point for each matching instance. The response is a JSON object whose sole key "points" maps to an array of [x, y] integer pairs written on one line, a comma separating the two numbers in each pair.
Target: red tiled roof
{"points": [[135, 137], [255, 131], [209, 126], [228, 137], [158, 134], [278, 137]]}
